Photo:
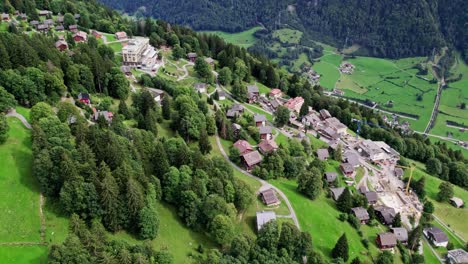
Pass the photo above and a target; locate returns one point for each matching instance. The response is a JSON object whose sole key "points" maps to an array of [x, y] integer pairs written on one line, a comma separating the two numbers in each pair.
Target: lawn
{"points": [[429, 256], [116, 47], [244, 39], [173, 236], [23, 111], [23, 254], [288, 36], [329, 74], [110, 37], [320, 219], [258, 110], [19, 201]]}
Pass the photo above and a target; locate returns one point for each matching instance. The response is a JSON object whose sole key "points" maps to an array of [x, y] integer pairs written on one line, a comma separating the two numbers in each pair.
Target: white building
{"points": [[264, 217], [139, 53]]}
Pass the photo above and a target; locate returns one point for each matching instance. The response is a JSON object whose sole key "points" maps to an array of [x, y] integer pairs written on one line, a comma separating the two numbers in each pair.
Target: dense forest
{"points": [[382, 28]]}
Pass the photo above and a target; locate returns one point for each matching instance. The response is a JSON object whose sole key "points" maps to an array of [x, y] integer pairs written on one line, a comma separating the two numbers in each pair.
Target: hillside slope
{"points": [[384, 28]]}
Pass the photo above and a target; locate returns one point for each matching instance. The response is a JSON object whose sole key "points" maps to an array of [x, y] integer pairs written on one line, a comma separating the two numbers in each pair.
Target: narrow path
{"points": [[13, 113], [435, 110]]}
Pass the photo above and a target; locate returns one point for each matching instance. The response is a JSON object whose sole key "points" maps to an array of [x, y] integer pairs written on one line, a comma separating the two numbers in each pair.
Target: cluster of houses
{"points": [[86, 99], [313, 77], [347, 68]]}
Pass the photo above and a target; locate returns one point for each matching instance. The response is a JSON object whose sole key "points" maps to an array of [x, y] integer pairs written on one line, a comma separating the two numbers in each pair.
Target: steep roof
{"points": [[264, 130], [243, 146], [331, 176], [371, 197], [438, 235], [400, 233], [267, 146], [337, 192], [360, 213], [269, 197], [387, 239], [323, 154], [457, 201], [259, 118], [252, 88], [252, 158], [458, 255]]}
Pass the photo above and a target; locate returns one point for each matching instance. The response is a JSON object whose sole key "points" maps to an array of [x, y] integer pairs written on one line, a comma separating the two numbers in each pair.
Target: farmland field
{"points": [[244, 39], [288, 36]]}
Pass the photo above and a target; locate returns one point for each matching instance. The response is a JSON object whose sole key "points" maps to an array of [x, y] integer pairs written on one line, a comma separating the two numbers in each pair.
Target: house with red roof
{"points": [[121, 35], [275, 93], [295, 104], [80, 36]]}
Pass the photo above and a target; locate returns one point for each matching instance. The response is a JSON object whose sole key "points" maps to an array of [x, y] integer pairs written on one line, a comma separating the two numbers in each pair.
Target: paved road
{"points": [[23, 120], [435, 110]]}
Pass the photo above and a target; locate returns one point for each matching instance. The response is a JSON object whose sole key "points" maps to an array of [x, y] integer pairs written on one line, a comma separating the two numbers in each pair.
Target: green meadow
{"points": [[244, 39]]}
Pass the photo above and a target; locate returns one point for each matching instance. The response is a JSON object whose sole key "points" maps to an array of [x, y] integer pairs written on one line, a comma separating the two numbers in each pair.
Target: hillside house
{"points": [[96, 34], [264, 217], [34, 23], [275, 103], [121, 35], [44, 13], [252, 93], [251, 159], [80, 36], [324, 114], [436, 236], [457, 202], [236, 110], [59, 19], [49, 22], [330, 177], [260, 120], [457, 256], [329, 133], [200, 87], [269, 197], [222, 95], [312, 120], [267, 146], [336, 125], [42, 28], [401, 234], [84, 98], [5, 17], [73, 28], [265, 132], [347, 169], [371, 197], [386, 240], [59, 28], [236, 129], [323, 154], [191, 56], [23, 16], [107, 115], [336, 192], [243, 146], [385, 214], [352, 158], [295, 104], [61, 45], [361, 214], [275, 93], [210, 61], [157, 94]]}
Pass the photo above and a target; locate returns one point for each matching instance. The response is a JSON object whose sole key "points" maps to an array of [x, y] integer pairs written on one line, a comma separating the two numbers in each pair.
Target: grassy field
{"points": [[116, 47], [244, 39], [110, 37], [23, 254], [320, 219], [288, 36], [429, 256]]}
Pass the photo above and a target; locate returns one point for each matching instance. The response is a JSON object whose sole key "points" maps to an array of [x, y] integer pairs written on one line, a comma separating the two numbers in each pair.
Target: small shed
{"points": [[457, 202], [386, 240], [361, 214], [336, 192], [269, 197], [330, 176], [323, 154], [371, 197]]}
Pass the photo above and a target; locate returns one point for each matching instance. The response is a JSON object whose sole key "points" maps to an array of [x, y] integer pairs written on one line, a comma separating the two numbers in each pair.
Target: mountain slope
{"points": [[385, 28]]}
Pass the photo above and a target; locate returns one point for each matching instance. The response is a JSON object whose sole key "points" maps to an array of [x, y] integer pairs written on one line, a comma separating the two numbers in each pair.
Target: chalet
{"points": [[385, 214], [363, 189], [457, 256], [401, 234], [275, 103], [243, 146], [23, 16], [34, 23], [361, 214], [338, 92], [236, 129], [457, 202], [222, 95], [329, 133], [336, 192], [192, 57], [371, 197], [436, 236], [80, 36], [121, 35], [386, 240], [61, 45], [323, 154], [107, 115], [264, 217], [295, 104], [200, 87], [42, 28], [336, 125], [302, 136], [49, 22], [267, 146], [235, 111], [275, 93], [330, 177], [127, 70], [251, 159], [324, 114], [59, 19], [398, 172], [59, 28], [16, 13], [260, 120], [269, 197], [157, 94], [84, 98], [252, 93], [311, 120], [347, 169], [265, 132], [352, 158], [210, 61], [44, 13], [73, 28], [5, 17], [333, 145], [96, 34]]}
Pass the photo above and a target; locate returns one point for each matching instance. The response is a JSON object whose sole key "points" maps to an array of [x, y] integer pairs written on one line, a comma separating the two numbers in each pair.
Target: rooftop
{"points": [[264, 217], [331, 176], [243, 146], [458, 255], [323, 154], [265, 130], [360, 213], [387, 239], [400, 233], [269, 197], [267, 146]]}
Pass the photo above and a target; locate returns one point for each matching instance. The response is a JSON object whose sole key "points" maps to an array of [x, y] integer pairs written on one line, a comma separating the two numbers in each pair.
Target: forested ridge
{"points": [[383, 28]]}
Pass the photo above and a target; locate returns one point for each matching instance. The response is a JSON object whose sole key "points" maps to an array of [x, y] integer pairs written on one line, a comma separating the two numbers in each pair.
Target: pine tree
{"points": [[123, 109], [109, 198], [151, 121], [204, 142], [337, 153], [166, 107], [149, 217], [445, 192], [160, 160], [345, 201], [341, 248], [397, 220]]}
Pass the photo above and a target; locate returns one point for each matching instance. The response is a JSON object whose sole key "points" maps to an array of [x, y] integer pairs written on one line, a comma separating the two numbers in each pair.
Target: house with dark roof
{"points": [[436, 236], [330, 177], [235, 111], [192, 56], [260, 120], [42, 28], [336, 192], [59, 19], [269, 197], [323, 154], [361, 214], [243, 146], [324, 114], [267, 146], [221, 95], [352, 158], [347, 169], [200, 87], [251, 159], [371, 197], [252, 93], [312, 120], [457, 256], [398, 172], [59, 28], [385, 214], [264, 217], [265, 132], [34, 23], [333, 145], [386, 240], [236, 129], [329, 133], [401, 234]]}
